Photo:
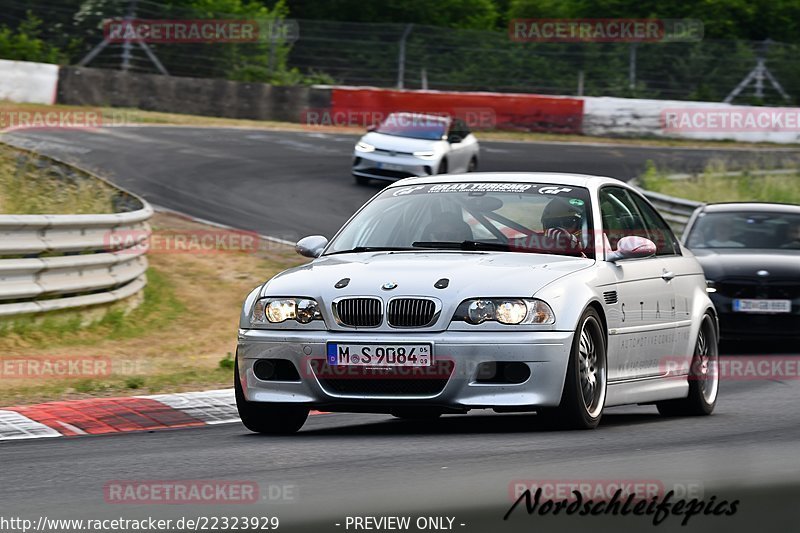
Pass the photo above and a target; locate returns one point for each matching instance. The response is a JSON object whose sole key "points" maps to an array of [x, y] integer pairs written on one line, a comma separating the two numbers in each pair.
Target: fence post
{"points": [[401, 60]]}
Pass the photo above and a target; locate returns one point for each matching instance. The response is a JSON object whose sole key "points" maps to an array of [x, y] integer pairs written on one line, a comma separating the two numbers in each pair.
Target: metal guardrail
{"points": [[676, 211], [54, 262]]}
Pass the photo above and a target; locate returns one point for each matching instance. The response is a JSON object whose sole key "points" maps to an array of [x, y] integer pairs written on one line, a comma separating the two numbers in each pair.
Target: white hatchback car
{"points": [[562, 294], [415, 144]]}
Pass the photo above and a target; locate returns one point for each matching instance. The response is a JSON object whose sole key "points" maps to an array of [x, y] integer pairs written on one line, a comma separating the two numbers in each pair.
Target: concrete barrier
{"points": [[193, 96], [501, 111], [26, 82], [628, 117]]}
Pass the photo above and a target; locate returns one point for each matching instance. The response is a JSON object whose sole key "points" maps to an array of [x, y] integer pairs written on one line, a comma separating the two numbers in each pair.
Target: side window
{"points": [[620, 216], [660, 232], [458, 128]]}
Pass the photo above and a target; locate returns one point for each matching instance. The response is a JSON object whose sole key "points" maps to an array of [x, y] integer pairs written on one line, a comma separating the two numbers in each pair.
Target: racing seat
{"points": [[447, 227]]}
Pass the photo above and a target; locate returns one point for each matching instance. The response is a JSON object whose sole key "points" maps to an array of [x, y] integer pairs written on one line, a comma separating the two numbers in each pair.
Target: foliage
{"points": [[24, 43]]}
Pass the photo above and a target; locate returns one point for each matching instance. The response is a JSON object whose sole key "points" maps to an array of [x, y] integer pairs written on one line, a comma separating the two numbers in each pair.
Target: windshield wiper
{"points": [[462, 245], [359, 249]]}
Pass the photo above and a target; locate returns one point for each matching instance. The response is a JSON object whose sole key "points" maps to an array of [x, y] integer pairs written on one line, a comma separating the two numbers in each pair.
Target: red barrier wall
{"points": [[512, 111]]}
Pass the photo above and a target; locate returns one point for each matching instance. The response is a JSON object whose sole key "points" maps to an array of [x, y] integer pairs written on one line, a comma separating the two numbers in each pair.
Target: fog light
{"points": [[264, 369]]}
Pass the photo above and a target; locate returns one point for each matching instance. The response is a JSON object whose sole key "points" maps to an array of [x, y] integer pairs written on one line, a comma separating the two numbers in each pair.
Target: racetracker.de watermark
{"points": [[184, 241], [163, 31], [69, 367], [476, 118], [736, 368], [605, 30], [719, 119], [195, 491], [12, 119]]}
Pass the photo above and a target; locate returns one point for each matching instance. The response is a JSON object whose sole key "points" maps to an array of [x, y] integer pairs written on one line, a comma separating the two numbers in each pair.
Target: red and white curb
{"points": [[97, 416]]}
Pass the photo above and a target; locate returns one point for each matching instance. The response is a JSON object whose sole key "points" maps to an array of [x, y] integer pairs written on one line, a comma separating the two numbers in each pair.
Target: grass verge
{"points": [[181, 338], [716, 185], [29, 186]]}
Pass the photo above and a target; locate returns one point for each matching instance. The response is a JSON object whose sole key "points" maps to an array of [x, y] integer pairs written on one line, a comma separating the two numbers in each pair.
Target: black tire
{"points": [[416, 413], [361, 180], [473, 165], [587, 364], [442, 167], [703, 376], [267, 418]]}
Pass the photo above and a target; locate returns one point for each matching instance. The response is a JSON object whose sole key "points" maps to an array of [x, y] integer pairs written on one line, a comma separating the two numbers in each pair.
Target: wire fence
{"points": [[418, 56]]}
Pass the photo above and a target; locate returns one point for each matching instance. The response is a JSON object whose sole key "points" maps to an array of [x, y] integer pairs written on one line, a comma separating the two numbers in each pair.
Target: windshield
{"points": [[758, 230], [415, 126], [513, 217]]}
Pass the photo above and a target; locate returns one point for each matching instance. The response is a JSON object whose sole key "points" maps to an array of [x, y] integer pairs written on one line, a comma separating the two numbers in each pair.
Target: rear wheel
{"points": [[473, 165], [267, 418], [703, 377], [584, 392]]}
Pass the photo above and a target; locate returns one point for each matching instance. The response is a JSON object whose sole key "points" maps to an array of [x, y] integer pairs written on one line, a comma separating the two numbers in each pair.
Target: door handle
{"points": [[667, 275]]}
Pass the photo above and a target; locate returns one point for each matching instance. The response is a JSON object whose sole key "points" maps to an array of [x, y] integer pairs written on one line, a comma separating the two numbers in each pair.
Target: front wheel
{"points": [[442, 167], [703, 376], [361, 180], [585, 384], [267, 418]]}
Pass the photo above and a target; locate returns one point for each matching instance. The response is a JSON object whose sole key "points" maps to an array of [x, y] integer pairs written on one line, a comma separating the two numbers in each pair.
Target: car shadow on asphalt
{"points": [[465, 425]]}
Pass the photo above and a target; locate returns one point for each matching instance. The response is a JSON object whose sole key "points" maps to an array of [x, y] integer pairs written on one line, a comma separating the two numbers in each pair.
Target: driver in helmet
{"points": [[562, 223]]}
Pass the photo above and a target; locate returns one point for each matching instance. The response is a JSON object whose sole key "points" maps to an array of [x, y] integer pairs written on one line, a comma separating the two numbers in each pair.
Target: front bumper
{"points": [[546, 353], [738, 325], [383, 166]]}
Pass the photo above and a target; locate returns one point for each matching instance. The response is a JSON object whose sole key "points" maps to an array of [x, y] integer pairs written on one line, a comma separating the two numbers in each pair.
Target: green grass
{"points": [[159, 308], [27, 189], [710, 186]]}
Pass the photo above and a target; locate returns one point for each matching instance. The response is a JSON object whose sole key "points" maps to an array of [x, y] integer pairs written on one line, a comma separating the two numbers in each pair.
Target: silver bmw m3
{"points": [[554, 293]]}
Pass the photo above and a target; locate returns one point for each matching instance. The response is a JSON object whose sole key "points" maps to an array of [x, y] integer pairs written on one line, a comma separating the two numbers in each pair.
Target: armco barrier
{"points": [[676, 211], [26, 82], [528, 112], [54, 262]]}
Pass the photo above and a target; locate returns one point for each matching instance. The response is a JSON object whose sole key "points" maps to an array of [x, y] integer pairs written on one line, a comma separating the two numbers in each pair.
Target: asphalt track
{"points": [[289, 184]]}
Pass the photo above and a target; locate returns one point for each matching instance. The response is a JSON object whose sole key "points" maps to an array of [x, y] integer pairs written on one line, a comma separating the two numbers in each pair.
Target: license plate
{"points": [[380, 355], [762, 306], [389, 166]]}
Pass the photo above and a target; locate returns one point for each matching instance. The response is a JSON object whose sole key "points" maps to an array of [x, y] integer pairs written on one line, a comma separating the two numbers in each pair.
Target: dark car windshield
{"points": [[513, 217], [415, 126], [746, 230]]}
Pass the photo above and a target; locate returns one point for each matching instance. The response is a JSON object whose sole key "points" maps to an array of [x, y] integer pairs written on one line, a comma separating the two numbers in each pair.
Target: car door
{"points": [[685, 274], [460, 147], [641, 331]]}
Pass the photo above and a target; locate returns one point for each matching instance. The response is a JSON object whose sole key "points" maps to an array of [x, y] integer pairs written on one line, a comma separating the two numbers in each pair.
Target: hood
{"points": [[737, 263], [470, 275], [399, 144]]}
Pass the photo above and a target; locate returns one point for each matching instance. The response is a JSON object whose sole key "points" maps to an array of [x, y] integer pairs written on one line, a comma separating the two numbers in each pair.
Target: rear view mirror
{"points": [[311, 246], [632, 247]]}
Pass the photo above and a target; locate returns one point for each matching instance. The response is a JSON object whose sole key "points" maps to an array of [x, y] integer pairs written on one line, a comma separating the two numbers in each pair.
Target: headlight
{"points": [[277, 310], [505, 311], [361, 146], [425, 153]]}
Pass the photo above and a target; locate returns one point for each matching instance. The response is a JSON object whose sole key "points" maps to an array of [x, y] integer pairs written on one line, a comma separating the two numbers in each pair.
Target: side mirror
{"points": [[311, 246], [372, 127], [454, 138], [632, 247]]}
